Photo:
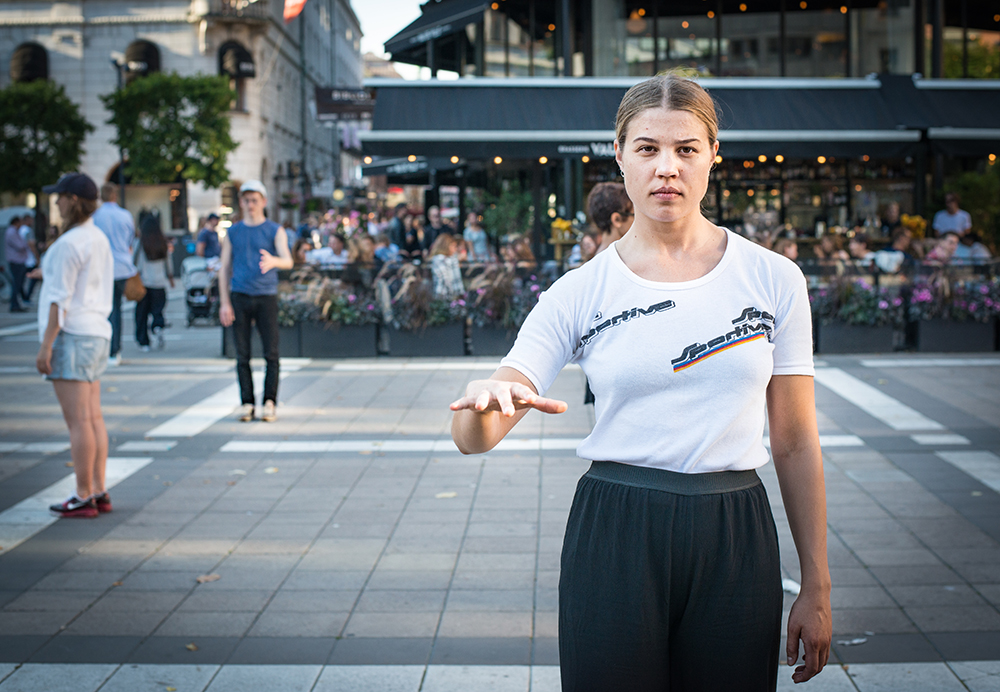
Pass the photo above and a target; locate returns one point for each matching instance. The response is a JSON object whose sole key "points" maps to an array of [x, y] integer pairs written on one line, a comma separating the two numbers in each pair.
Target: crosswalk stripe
{"points": [[892, 412]]}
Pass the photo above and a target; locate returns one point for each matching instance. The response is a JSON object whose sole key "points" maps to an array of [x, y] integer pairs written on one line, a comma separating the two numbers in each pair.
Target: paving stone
{"points": [[282, 623], [35, 622], [485, 624], [936, 595], [219, 600], [139, 601], [860, 597], [304, 580], [955, 618], [392, 624], [155, 678], [383, 678], [492, 580], [164, 650], [882, 677], [276, 678], [446, 678], [878, 620], [406, 600], [314, 601], [409, 579], [32, 677], [381, 651], [101, 621], [206, 624], [52, 600]]}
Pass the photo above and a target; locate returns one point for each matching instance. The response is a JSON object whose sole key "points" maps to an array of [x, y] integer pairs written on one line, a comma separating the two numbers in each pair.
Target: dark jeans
{"points": [[17, 271], [151, 304], [262, 310], [116, 317]]}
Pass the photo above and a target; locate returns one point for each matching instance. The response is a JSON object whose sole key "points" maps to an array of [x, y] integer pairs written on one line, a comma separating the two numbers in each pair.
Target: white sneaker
{"points": [[269, 415], [158, 338], [144, 348], [115, 360], [246, 413]]}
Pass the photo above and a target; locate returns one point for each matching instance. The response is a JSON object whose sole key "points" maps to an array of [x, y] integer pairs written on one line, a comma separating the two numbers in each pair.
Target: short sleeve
{"points": [[792, 339], [66, 265], [546, 342]]}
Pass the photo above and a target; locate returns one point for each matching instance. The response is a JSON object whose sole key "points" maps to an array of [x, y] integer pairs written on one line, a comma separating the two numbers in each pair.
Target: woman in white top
{"points": [[73, 309], [688, 333]]}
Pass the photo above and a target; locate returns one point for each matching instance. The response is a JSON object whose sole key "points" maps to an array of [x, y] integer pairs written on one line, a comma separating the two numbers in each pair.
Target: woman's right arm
{"points": [[491, 408]]}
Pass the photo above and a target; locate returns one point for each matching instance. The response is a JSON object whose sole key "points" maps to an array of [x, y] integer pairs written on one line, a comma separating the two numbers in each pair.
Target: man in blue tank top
{"points": [[253, 251]]}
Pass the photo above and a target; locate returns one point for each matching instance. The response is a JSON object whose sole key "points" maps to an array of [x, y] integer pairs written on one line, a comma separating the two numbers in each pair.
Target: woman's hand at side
{"points": [[791, 408], [491, 408], [43, 361]]}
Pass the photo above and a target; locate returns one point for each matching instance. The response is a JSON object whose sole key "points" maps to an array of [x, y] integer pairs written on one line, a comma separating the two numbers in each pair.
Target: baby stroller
{"points": [[201, 291]]}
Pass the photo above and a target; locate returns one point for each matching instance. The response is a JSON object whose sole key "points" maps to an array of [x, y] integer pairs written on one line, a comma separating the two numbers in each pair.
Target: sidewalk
{"points": [[356, 549]]}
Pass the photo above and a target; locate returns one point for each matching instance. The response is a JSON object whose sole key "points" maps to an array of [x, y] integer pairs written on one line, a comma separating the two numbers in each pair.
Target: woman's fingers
{"points": [[505, 397]]}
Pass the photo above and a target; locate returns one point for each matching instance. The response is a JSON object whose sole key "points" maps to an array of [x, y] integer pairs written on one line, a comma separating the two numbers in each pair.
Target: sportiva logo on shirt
{"points": [[625, 316], [753, 324]]}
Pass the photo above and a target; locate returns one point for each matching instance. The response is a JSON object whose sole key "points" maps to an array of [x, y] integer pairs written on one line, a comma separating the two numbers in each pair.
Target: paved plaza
{"points": [[349, 546]]}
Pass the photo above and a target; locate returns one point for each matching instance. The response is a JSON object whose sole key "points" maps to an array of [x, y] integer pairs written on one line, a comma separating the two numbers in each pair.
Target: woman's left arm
{"points": [[791, 407]]}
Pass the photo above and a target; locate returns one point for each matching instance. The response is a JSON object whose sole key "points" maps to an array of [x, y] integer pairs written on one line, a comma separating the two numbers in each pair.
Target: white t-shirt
{"points": [[78, 274], [959, 222], [679, 370]]}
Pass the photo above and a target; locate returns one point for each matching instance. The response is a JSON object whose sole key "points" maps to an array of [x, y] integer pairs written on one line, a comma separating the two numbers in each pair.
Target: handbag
{"points": [[134, 290]]}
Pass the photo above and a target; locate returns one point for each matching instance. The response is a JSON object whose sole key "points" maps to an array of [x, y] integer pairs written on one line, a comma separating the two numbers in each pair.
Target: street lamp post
{"points": [[119, 66]]}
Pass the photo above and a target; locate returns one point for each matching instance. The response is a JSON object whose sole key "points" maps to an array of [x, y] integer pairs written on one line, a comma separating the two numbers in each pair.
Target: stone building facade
{"points": [[274, 68]]}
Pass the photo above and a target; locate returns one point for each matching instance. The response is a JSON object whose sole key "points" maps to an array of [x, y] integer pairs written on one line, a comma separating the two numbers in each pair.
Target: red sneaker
{"points": [[103, 502], [75, 507]]}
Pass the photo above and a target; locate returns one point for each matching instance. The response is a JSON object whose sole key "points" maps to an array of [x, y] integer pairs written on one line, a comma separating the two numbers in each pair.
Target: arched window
{"points": [[141, 58], [29, 62], [236, 63]]}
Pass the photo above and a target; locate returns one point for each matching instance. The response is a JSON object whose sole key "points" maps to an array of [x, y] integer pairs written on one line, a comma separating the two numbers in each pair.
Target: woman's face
{"points": [[587, 246], [791, 251], [666, 160], [948, 244], [336, 244], [65, 202]]}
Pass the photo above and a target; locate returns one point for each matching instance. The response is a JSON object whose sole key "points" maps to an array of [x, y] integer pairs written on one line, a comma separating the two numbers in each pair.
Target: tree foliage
{"points": [[41, 135], [174, 127], [509, 213]]}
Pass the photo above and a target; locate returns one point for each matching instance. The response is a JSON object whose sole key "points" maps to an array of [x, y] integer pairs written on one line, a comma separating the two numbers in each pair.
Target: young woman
{"points": [[670, 575], [153, 261], [73, 310]]}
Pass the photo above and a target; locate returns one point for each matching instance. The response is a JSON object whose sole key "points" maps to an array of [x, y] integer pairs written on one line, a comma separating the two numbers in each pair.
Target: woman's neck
{"points": [[682, 250]]}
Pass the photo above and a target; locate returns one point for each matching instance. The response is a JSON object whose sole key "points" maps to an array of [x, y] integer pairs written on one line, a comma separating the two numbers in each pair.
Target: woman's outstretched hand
{"points": [[482, 396]]}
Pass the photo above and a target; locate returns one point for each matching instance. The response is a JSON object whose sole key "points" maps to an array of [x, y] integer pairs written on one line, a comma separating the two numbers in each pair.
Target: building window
{"points": [[141, 58], [237, 63], [29, 62]]}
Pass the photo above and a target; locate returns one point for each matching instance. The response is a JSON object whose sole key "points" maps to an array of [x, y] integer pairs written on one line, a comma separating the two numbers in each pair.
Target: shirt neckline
{"points": [[675, 285]]}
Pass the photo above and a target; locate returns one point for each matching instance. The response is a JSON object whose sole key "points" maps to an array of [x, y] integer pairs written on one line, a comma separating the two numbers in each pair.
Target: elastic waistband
{"points": [[671, 481]]}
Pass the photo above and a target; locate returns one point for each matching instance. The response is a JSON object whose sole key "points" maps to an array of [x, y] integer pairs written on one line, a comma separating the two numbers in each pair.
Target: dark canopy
{"points": [[527, 118], [437, 19]]}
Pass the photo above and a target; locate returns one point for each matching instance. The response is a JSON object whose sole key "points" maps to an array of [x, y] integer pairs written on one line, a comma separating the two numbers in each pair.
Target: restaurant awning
{"points": [[436, 20], [402, 171], [960, 117], [528, 118]]}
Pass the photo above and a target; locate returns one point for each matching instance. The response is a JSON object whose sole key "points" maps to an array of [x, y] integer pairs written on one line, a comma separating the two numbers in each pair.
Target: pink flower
{"points": [[882, 305], [897, 301], [535, 288], [351, 298]]}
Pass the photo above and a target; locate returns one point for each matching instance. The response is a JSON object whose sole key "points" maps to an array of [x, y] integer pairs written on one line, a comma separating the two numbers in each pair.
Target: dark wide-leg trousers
{"points": [[670, 583], [262, 311]]}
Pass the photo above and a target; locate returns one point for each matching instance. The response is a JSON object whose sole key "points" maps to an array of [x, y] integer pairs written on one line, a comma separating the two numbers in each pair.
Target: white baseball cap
{"points": [[254, 186]]}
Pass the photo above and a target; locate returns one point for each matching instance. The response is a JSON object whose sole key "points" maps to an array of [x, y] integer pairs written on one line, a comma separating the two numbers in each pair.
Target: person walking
{"points": [[153, 260], [119, 227], [253, 251], [75, 334], [207, 244], [689, 334], [17, 252]]}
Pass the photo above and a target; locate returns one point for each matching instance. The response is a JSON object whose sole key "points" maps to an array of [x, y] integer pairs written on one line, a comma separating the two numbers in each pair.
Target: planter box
{"points": [[288, 343], [444, 341], [492, 341], [324, 340], [837, 337], [944, 336]]}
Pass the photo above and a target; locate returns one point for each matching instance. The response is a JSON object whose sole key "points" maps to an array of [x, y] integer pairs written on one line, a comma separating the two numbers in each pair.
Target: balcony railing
{"points": [[240, 10]]}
